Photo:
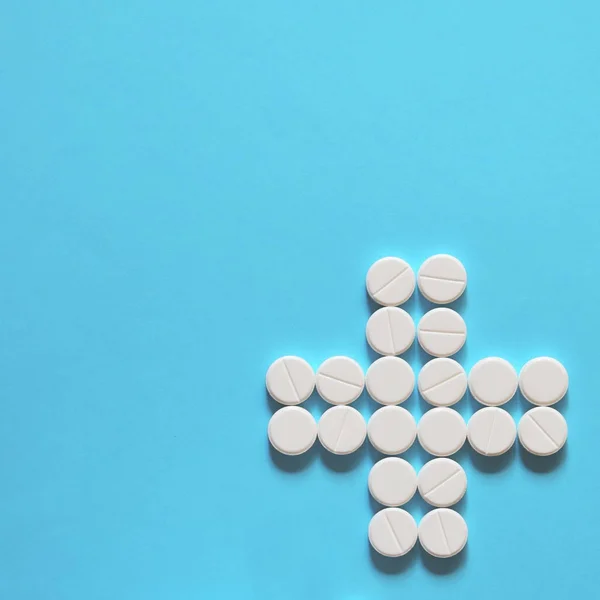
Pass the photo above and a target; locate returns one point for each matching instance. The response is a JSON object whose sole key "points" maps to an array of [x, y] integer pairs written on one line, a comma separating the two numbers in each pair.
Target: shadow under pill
{"points": [[392, 566], [543, 464], [342, 463], [491, 464], [292, 464], [444, 566]]}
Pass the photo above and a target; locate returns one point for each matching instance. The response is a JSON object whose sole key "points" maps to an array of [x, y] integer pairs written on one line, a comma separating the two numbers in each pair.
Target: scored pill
{"points": [[543, 431], [342, 430], [442, 279], [340, 380], [390, 331], [442, 382], [491, 431], [393, 532], [443, 532], [290, 380], [442, 332], [390, 281], [442, 482]]}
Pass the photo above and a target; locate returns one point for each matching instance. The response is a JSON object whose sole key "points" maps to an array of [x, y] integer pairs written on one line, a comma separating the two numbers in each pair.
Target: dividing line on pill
{"points": [[438, 278], [342, 429], [442, 331], [442, 278], [339, 436], [388, 283], [556, 444], [543, 431], [287, 371], [393, 532], [387, 519], [443, 532], [390, 331], [491, 431], [441, 383], [441, 483], [290, 380], [487, 446], [389, 317], [340, 380]]}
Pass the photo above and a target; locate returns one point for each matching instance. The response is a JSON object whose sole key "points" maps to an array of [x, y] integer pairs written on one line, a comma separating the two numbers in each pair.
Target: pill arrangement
{"points": [[392, 430]]}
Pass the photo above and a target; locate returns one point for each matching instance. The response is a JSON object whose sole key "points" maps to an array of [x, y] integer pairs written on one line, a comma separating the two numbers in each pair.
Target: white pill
{"points": [[290, 380], [442, 279], [292, 430], [442, 431], [443, 532], [543, 431], [392, 481], [340, 380], [543, 381], [393, 532], [390, 331], [390, 380], [442, 482], [493, 381], [392, 430], [390, 281], [342, 429], [442, 332], [442, 382], [491, 431]]}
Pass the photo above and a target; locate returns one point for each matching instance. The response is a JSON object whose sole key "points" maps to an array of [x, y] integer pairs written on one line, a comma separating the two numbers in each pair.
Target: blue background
{"points": [[192, 189]]}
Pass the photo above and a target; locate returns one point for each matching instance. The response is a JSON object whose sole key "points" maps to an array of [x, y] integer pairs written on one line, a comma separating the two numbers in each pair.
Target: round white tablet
{"points": [[443, 532], [393, 532], [290, 380], [390, 380], [442, 382], [442, 278], [491, 431], [493, 381], [390, 331], [390, 281], [442, 332], [392, 430], [543, 431], [442, 482], [442, 431], [392, 481], [342, 429], [543, 381], [292, 430], [340, 380]]}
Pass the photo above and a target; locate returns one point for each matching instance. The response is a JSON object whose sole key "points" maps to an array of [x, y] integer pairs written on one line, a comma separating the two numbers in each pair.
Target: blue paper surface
{"points": [[190, 190]]}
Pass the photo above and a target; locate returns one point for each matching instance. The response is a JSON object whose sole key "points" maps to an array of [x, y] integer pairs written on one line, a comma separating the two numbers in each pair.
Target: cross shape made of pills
{"points": [[392, 429]]}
